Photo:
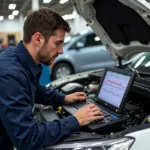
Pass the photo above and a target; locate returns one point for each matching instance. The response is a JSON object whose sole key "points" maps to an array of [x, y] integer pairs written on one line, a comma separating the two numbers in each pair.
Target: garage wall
{"points": [[10, 26], [4, 36], [15, 27]]}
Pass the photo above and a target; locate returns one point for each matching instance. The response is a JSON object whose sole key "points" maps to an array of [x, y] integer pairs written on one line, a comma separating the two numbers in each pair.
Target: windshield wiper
{"points": [[134, 70]]}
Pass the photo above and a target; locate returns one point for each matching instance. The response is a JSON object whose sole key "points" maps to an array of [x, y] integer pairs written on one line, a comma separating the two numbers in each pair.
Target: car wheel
{"points": [[61, 70]]}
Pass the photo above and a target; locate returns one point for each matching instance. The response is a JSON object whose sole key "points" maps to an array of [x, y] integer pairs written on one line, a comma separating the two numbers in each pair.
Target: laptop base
{"points": [[109, 122]]}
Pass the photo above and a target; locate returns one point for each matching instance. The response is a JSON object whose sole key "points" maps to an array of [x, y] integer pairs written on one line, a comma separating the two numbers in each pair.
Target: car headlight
{"points": [[114, 144]]}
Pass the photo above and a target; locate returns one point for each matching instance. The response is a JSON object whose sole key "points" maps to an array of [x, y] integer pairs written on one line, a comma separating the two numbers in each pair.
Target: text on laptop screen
{"points": [[113, 88]]}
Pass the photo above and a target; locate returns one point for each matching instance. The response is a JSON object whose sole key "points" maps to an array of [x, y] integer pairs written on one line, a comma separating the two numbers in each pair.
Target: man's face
{"points": [[51, 49]]}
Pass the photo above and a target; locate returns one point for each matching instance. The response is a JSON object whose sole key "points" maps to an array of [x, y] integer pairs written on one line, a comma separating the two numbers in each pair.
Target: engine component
{"points": [[93, 86], [71, 88]]}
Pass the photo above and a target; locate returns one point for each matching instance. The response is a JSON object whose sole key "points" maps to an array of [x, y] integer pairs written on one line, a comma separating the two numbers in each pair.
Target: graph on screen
{"points": [[113, 88]]}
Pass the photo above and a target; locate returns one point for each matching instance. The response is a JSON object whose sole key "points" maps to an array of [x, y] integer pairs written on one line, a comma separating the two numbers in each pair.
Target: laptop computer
{"points": [[111, 98]]}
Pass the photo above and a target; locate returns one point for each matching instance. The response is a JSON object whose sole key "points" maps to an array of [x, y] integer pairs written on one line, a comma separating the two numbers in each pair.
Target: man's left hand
{"points": [[75, 97]]}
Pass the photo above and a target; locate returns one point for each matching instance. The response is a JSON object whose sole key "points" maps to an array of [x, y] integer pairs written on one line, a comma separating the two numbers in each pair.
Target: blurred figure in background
{"points": [[1, 44]]}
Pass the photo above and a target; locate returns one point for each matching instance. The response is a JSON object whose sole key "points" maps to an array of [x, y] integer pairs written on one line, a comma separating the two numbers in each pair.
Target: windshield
{"points": [[142, 63]]}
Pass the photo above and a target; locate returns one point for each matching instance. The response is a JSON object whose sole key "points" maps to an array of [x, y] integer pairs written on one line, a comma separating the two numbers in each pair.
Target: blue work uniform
{"points": [[19, 90]]}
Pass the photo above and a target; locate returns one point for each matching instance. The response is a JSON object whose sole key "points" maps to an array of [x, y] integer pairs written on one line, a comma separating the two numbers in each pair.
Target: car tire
{"points": [[61, 70]]}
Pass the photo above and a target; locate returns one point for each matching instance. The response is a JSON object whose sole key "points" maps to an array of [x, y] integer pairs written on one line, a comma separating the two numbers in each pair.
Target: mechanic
{"points": [[44, 32]]}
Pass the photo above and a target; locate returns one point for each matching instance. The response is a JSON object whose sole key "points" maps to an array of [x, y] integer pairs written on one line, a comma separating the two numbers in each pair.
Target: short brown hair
{"points": [[45, 21]]}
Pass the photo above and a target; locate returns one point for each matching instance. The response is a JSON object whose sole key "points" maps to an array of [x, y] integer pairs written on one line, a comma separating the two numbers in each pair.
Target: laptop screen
{"points": [[113, 87]]}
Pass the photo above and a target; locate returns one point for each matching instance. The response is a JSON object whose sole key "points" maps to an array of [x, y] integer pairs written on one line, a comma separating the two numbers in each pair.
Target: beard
{"points": [[44, 56], [45, 61]]}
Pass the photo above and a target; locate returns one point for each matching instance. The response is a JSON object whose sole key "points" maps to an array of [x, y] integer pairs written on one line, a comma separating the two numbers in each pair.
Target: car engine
{"points": [[136, 108]]}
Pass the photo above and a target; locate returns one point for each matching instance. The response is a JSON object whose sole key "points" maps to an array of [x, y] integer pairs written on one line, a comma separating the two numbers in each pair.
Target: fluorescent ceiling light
{"points": [[63, 1], [11, 17], [1, 17], [12, 6], [46, 1], [71, 16], [15, 12]]}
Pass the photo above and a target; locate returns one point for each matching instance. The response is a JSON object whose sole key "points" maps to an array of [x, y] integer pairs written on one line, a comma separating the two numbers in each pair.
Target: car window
{"points": [[92, 40], [81, 40], [89, 40]]}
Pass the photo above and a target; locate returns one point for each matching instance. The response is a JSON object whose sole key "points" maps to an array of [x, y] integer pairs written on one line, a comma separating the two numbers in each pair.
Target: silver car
{"points": [[82, 52]]}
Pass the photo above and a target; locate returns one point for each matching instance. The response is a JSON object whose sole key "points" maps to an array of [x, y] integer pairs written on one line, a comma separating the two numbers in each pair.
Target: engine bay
{"points": [[136, 107]]}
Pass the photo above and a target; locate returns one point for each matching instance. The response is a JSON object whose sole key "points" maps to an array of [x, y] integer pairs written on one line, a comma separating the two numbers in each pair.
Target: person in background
{"points": [[1, 44], [44, 32]]}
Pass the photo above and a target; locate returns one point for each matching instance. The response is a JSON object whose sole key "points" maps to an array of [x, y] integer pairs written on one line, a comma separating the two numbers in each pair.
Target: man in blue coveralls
{"points": [[44, 32]]}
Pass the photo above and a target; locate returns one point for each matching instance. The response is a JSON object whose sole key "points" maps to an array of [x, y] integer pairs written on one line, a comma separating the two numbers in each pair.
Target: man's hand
{"points": [[78, 96], [87, 114]]}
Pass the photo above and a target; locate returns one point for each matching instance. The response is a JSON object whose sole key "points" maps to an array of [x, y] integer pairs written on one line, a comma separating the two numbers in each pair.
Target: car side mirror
{"points": [[79, 45]]}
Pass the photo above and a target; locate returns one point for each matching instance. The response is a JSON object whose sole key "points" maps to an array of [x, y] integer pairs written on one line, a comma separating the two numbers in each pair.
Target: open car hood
{"points": [[122, 25]]}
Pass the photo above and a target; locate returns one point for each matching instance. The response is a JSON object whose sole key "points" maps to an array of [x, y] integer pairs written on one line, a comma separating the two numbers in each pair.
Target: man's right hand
{"points": [[87, 114]]}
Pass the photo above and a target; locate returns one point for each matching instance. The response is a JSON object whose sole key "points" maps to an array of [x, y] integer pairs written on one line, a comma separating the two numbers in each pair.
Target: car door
{"points": [[91, 54]]}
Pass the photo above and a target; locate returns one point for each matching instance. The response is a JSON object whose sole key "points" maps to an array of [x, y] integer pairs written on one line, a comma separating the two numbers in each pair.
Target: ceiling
{"points": [[25, 5]]}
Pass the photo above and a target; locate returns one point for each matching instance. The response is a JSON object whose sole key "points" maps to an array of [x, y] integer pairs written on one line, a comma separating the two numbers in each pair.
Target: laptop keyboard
{"points": [[106, 114], [110, 120], [81, 104]]}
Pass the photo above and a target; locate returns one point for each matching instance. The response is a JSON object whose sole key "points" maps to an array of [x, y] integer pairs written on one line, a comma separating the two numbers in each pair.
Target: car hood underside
{"points": [[122, 25]]}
